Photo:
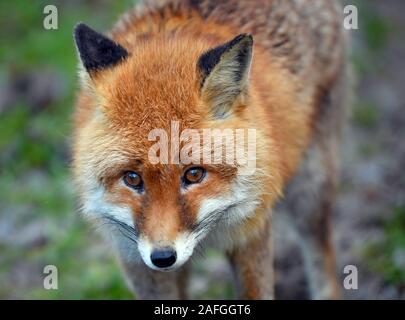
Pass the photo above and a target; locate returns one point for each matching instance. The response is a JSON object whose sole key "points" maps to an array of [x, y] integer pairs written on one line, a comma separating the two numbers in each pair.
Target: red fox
{"points": [[276, 67]]}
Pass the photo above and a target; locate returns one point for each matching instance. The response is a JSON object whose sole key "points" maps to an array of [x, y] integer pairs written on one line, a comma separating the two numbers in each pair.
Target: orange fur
{"points": [[158, 83]]}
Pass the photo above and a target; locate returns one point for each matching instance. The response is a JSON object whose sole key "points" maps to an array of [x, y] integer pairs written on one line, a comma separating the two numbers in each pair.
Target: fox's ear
{"points": [[224, 73], [96, 50]]}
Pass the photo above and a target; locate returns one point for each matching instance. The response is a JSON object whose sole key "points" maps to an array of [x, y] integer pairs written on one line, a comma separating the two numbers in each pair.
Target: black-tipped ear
{"points": [[211, 58], [96, 50], [224, 72]]}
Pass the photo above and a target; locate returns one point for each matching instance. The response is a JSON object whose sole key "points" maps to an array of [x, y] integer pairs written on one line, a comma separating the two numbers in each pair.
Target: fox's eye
{"points": [[194, 175], [133, 180]]}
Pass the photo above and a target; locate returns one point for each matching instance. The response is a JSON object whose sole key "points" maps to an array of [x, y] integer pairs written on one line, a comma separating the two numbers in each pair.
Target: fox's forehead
{"points": [[109, 153], [154, 86]]}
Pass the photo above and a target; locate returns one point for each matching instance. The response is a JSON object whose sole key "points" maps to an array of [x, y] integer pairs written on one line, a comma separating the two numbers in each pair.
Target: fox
{"points": [[277, 67]]}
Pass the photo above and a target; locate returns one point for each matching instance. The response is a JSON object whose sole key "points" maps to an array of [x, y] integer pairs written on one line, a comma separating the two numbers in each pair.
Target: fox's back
{"points": [[304, 36]]}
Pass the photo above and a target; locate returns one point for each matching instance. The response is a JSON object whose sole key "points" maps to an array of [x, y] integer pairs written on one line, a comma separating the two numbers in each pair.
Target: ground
{"points": [[38, 221]]}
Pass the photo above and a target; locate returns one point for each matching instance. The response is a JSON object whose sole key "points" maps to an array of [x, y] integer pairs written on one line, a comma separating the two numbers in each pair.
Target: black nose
{"points": [[163, 258]]}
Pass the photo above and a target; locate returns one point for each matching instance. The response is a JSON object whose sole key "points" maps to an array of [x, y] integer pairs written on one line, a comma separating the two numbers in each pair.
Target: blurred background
{"points": [[39, 224]]}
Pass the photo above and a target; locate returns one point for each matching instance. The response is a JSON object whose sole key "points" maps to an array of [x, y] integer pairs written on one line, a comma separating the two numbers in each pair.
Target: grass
{"points": [[365, 115], [375, 31], [387, 257], [35, 183]]}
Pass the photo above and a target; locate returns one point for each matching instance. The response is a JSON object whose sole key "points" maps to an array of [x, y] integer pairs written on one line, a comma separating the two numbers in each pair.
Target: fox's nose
{"points": [[163, 258]]}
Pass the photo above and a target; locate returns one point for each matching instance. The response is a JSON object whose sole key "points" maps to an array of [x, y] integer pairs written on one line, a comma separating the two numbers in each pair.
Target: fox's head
{"points": [[162, 199]]}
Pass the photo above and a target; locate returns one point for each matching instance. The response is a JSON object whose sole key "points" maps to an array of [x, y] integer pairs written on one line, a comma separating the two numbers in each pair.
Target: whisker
{"points": [[125, 229]]}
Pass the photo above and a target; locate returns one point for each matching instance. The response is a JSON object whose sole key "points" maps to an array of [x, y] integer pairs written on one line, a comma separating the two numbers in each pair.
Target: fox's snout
{"points": [[166, 256]]}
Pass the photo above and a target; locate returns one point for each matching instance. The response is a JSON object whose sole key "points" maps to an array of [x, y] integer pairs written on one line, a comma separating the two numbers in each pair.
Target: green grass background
{"points": [[34, 154]]}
